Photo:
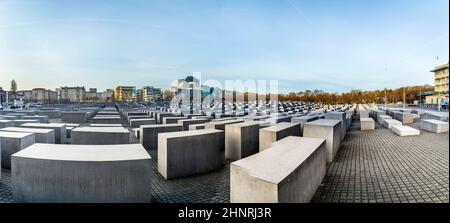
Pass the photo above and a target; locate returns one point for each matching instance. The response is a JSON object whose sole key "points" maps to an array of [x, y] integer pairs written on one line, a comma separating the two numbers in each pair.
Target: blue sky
{"points": [[330, 45]]}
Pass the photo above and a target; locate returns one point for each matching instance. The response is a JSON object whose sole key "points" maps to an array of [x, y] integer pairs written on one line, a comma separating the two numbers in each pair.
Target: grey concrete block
{"points": [[403, 130], [196, 127], [367, 124], [288, 172], [74, 117], [149, 134], [100, 136], [328, 129], [341, 116], [130, 118], [405, 118], [160, 116], [136, 123], [187, 122], [42, 119], [60, 130], [106, 125], [172, 120], [242, 139], [13, 142], [220, 125], [41, 135], [82, 174], [433, 125], [436, 115], [107, 119], [6, 123], [19, 122], [381, 118], [277, 132], [389, 123], [189, 153], [49, 113]]}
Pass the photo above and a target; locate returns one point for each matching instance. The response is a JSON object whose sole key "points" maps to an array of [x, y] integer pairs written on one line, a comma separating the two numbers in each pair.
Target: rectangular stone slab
{"points": [[405, 118], [42, 119], [107, 119], [41, 135], [403, 130], [137, 132], [196, 127], [241, 140], [106, 125], [74, 117], [276, 132], [389, 123], [433, 125], [149, 134], [135, 123], [100, 136], [341, 116], [60, 130], [138, 117], [49, 113], [189, 116], [251, 118], [220, 125], [381, 118], [288, 172], [172, 120], [278, 119], [304, 119], [104, 113], [20, 122], [377, 114], [188, 153], [437, 116], [82, 174], [187, 122], [8, 117], [161, 116], [367, 124], [13, 142], [327, 129], [6, 123]]}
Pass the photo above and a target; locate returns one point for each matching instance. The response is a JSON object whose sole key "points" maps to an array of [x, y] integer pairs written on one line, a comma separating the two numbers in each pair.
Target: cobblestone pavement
{"points": [[371, 166]]}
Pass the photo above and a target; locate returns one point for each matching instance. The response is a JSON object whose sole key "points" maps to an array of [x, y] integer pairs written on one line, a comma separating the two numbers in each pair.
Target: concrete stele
{"points": [[288, 172], [82, 173]]}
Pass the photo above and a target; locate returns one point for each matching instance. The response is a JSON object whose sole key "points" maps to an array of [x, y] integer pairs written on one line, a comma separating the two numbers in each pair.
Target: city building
{"points": [[108, 95], [2, 97], [71, 94], [38, 95], [92, 95], [190, 82], [150, 93], [125, 93], [139, 95], [13, 86], [441, 80], [27, 95]]}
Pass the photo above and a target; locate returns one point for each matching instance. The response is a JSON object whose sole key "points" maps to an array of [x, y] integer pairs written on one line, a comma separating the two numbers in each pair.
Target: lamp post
{"points": [[404, 99]]}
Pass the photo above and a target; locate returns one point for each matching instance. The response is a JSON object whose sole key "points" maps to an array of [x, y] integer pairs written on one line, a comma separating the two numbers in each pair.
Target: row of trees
{"points": [[358, 96]]}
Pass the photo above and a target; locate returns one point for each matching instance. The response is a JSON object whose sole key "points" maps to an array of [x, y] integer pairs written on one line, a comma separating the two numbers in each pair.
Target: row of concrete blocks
{"points": [[242, 139], [293, 167], [39, 118], [17, 122], [16, 138]]}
